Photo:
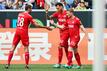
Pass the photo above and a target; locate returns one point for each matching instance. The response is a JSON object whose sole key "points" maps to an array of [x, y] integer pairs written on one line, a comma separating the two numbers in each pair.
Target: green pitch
{"points": [[43, 67]]}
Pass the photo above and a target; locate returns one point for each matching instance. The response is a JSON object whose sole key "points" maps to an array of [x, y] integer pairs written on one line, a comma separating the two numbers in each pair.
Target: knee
{"points": [[26, 48], [60, 47], [75, 50], [13, 48], [25, 44], [69, 49]]}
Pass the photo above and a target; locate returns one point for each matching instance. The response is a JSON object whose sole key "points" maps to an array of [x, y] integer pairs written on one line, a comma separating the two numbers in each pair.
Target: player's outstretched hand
{"points": [[51, 21]]}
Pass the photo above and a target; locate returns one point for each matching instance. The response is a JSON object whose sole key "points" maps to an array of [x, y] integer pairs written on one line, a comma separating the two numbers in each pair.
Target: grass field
{"points": [[43, 67]]}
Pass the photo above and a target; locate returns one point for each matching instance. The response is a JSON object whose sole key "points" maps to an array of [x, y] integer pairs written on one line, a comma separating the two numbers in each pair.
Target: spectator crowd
{"points": [[40, 4]]}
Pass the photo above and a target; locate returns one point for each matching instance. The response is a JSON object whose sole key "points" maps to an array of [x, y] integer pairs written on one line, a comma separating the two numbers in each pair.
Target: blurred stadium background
{"points": [[43, 50]]}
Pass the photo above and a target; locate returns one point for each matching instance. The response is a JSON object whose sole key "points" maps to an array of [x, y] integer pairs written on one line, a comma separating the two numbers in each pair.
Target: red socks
{"points": [[66, 51], [10, 57], [70, 55], [27, 58], [60, 54], [77, 57]]}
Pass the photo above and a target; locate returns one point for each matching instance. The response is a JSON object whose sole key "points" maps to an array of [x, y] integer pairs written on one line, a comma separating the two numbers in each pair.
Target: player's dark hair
{"points": [[71, 10], [27, 6], [58, 3]]}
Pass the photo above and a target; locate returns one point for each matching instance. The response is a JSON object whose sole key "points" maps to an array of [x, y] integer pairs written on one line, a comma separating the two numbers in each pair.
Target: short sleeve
{"points": [[55, 15], [31, 19], [78, 21]]}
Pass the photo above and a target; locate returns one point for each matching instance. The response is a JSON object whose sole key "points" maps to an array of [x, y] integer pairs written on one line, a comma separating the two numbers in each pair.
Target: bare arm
{"points": [[84, 30], [39, 26], [59, 26], [49, 17], [46, 11]]}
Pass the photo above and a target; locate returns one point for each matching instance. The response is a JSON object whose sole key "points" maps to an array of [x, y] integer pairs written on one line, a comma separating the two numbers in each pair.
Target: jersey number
{"points": [[20, 22]]}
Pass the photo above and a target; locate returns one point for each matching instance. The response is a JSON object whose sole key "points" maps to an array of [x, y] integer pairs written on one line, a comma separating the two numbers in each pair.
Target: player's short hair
{"points": [[59, 3], [71, 10], [28, 6]]}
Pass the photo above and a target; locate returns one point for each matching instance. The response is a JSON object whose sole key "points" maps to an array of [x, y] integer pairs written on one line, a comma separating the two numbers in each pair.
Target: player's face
{"points": [[59, 8], [30, 10], [69, 14]]}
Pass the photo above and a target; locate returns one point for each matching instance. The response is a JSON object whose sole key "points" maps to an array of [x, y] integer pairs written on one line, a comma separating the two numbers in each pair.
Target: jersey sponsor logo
{"points": [[71, 26], [62, 20]]}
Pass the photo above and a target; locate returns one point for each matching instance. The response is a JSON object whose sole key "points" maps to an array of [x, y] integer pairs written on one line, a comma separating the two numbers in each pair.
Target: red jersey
{"points": [[64, 33], [74, 26], [24, 19], [61, 17]]}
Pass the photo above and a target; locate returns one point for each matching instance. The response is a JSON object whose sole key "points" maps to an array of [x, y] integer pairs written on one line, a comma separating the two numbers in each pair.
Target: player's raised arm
{"points": [[84, 30], [46, 11]]}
